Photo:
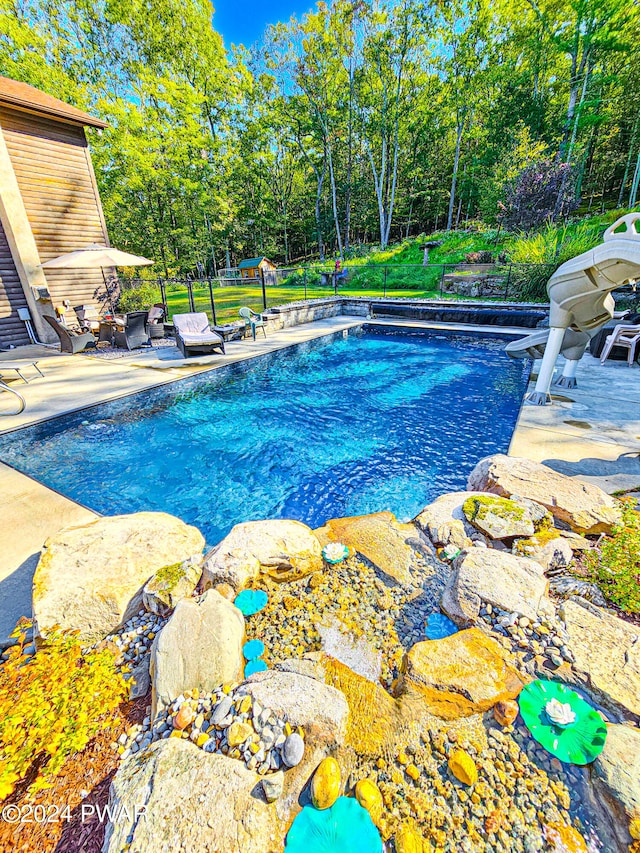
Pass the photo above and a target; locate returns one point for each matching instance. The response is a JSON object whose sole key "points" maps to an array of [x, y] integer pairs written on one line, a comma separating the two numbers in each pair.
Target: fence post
{"points": [[304, 278], [335, 283], [163, 295], [442, 280], [264, 290], [213, 304], [384, 283], [192, 304], [506, 289]]}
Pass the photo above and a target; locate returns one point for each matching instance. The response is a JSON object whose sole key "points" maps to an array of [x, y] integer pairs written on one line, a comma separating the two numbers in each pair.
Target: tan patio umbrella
{"points": [[94, 257]]}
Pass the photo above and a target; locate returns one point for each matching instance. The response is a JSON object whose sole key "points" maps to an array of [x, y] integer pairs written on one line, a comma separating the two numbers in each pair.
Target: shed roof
{"points": [[16, 94], [252, 262]]}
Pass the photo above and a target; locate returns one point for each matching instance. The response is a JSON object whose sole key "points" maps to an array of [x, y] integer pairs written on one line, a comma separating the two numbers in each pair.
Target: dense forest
{"points": [[361, 122]]}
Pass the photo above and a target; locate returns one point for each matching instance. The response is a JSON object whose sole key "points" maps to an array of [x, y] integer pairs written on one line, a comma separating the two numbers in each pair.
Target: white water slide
{"points": [[580, 304]]}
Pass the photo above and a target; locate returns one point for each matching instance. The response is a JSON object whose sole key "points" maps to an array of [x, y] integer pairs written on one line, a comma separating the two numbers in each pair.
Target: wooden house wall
{"points": [[12, 329], [52, 165]]}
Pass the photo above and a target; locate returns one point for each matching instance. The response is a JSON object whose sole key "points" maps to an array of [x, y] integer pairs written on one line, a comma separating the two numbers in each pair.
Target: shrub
{"points": [[541, 192], [478, 258], [138, 297], [51, 705], [615, 565]]}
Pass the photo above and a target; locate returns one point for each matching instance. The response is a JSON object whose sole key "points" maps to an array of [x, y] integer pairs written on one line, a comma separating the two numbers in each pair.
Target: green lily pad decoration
{"points": [[253, 649], [561, 720], [254, 666], [335, 552], [346, 826], [251, 601]]}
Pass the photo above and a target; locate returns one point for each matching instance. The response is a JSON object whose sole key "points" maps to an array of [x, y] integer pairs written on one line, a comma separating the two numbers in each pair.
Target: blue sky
{"points": [[244, 21]]}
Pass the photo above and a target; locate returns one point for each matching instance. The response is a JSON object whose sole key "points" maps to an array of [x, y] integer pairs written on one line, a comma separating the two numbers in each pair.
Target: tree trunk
{"points": [[454, 179], [633, 195], [334, 200], [629, 159]]}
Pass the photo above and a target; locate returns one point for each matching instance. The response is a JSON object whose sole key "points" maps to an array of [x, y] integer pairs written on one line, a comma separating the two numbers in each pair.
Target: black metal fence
{"points": [[222, 298]]}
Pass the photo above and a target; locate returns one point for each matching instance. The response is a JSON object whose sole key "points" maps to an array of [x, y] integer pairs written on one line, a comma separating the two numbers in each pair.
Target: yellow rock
{"points": [[412, 771], [238, 733], [564, 839], [369, 796], [176, 733], [325, 786], [408, 839], [403, 758], [202, 739], [634, 828], [244, 705], [287, 729], [463, 767]]}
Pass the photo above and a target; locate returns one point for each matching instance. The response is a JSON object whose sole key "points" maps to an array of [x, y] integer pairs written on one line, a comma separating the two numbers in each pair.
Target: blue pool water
{"points": [[379, 418]]}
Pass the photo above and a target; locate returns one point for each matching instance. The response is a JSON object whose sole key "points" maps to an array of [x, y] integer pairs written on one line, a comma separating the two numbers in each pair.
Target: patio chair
{"points": [[622, 336], [133, 334], [155, 317], [194, 336], [67, 316], [70, 341], [253, 321], [88, 318]]}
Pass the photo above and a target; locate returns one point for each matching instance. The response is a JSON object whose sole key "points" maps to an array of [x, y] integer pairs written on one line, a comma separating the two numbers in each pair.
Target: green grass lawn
{"points": [[229, 300]]}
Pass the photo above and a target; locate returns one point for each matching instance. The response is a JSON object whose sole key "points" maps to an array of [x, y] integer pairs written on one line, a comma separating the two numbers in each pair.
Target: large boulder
{"points": [[584, 507], [617, 775], [170, 585], [390, 545], [90, 578], [199, 647], [445, 523], [498, 518], [304, 701], [607, 653], [497, 578], [191, 800], [460, 675], [282, 549]]}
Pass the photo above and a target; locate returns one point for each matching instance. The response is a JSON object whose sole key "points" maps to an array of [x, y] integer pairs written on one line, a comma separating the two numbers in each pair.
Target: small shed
{"points": [[49, 205], [250, 267]]}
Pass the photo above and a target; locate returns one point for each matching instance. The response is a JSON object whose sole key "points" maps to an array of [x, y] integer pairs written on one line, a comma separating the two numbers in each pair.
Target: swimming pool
{"points": [[350, 423]]}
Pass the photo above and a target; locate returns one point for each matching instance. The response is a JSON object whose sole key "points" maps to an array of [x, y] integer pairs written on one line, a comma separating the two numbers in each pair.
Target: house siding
{"points": [[53, 169], [12, 329]]}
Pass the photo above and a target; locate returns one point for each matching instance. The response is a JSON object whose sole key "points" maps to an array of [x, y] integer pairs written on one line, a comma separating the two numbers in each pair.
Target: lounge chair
{"points": [[70, 341], [133, 333], [194, 336], [622, 336], [21, 400], [253, 321]]}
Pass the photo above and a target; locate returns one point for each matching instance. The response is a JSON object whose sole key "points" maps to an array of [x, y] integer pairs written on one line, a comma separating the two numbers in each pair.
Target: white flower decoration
{"points": [[560, 713], [335, 551]]}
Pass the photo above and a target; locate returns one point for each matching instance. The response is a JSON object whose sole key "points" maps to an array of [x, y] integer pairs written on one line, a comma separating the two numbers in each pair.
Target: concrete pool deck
{"points": [[592, 432]]}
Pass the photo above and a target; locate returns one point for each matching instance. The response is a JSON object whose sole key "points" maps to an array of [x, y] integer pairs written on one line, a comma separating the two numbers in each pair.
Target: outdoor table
{"points": [[230, 331]]}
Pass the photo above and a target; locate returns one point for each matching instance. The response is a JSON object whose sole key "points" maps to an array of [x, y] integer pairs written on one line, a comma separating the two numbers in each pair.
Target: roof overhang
{"points": [[29, 99]]}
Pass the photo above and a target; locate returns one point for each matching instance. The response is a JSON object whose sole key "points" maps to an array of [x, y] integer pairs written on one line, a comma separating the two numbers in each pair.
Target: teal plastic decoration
{"points": [[254, 666], [253, 649], [562, 721], [439, 626], [251, 601], [346, 826], [335, 552]]}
